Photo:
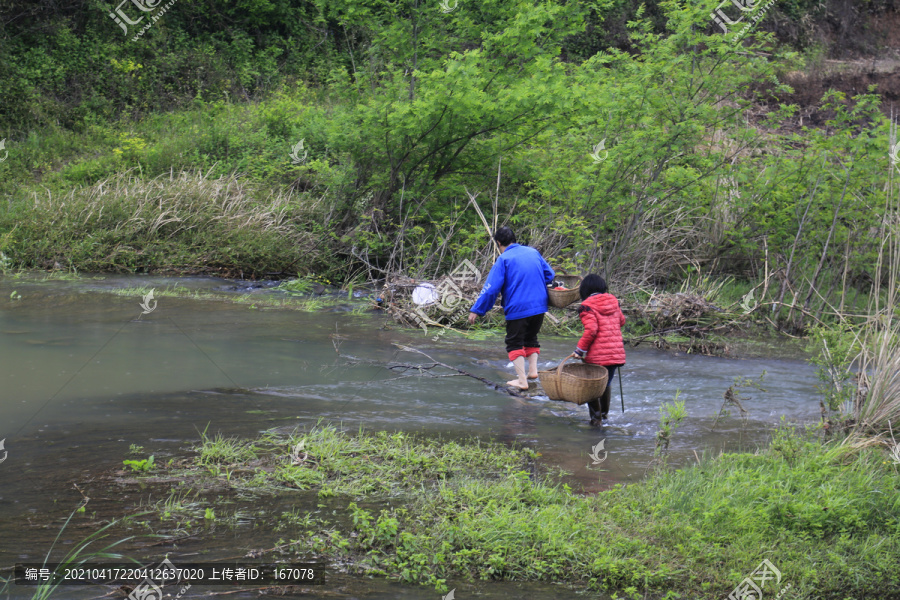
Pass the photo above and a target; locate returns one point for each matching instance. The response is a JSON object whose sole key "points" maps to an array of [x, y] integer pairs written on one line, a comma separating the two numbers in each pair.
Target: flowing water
{"points": [[85, 374]]}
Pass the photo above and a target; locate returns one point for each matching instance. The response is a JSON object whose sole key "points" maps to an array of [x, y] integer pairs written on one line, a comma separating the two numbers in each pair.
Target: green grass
{"points": [[183, 223], [217, 138], [224, 451], [382, 463], [189, 191], [828, 516]]}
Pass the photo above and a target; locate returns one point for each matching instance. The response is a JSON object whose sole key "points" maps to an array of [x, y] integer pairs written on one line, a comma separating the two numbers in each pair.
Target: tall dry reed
{"points": [[877, 406]]}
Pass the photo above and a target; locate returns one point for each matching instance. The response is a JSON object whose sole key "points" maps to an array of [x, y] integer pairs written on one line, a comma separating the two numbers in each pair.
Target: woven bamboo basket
{"points": [[563, 298], [578, 383]]}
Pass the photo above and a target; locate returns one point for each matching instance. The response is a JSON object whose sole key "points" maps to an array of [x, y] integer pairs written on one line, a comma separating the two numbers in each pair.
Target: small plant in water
{"points": [[733, 396], [141, 466], [135, 449], [837, 349], [670, 417]]}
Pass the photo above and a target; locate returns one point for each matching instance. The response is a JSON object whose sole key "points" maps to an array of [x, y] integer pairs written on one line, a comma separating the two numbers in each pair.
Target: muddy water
{"points": [[84, 374]]}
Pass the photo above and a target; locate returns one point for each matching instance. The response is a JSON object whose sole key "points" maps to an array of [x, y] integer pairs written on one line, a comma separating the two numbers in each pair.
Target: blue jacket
{"points": [[521, 274]]}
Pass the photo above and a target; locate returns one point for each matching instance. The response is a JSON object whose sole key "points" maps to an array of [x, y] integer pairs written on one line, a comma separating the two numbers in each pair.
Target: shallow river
{"points": [[84, 374]]}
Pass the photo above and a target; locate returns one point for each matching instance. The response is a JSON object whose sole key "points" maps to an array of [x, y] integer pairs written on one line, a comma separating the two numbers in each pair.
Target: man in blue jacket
{"points": [[521, 274]]}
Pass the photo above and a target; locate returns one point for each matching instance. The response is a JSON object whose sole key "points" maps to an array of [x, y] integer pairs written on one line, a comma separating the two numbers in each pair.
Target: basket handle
{"points": [[559, 368]]}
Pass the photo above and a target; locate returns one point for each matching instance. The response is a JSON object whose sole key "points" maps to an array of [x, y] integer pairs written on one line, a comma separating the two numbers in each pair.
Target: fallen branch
{"points": [[83, 495], [169, 541], [425, 369], [684, 329], [435, 363]]}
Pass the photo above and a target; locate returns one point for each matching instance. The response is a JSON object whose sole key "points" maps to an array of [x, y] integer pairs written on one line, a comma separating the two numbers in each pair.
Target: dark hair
{"points": [[505, 236], [592, 284]]}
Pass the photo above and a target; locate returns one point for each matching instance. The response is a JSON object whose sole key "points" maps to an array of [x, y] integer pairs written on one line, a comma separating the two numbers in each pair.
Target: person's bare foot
{"points": [[515, 383], [532, 376]]}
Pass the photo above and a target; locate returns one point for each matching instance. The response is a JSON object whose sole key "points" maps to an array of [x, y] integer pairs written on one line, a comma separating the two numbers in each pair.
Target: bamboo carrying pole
{"points": [[484, 222], [497, 193]]}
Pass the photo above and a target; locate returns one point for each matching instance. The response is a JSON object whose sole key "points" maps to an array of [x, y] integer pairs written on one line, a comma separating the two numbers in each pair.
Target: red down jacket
{"points": [[603, 320]]}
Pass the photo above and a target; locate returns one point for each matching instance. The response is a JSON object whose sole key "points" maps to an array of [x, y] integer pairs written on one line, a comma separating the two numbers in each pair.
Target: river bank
{"points": [[450, 514]]}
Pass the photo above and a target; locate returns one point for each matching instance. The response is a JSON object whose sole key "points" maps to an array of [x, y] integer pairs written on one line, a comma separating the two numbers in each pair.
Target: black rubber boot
{"points": [[594, 411], [604, 402]]}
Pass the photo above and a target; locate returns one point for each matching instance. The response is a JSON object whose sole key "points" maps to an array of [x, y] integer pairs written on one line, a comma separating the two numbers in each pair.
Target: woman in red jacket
{"points": [[602, 342]]}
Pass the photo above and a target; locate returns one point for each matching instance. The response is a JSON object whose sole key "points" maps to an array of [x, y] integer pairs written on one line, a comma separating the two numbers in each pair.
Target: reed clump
{"points": [[180, 222], [876, 408]]}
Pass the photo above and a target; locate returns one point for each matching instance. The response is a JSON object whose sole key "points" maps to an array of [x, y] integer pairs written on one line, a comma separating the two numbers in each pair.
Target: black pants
{"points": [[522, 333], [599, 408]]}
